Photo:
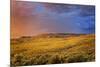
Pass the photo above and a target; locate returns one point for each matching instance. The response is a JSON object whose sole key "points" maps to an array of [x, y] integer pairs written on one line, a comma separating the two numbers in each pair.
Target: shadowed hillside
{"points": [[52, 49]]}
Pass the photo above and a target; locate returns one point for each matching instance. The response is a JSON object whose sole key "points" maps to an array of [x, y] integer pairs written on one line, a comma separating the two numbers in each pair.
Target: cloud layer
{"points": [[31, 18]]}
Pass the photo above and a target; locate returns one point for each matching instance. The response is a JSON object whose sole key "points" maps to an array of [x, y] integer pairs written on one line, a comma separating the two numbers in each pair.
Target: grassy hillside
{"points": [[53, 49]]}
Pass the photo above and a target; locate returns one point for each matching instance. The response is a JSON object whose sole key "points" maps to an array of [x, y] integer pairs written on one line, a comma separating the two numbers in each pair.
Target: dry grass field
{"points": [[46, 49]]}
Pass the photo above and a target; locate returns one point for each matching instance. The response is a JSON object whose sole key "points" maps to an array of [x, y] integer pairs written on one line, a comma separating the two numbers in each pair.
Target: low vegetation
{"points": [[52, 50]]}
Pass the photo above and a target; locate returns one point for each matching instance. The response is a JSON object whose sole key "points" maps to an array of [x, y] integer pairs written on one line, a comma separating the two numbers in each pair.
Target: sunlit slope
{"points": [[51, 50]]}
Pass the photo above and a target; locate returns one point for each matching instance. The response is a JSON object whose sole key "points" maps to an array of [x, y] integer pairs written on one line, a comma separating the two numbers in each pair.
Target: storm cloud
{"points": [[36, 17]]}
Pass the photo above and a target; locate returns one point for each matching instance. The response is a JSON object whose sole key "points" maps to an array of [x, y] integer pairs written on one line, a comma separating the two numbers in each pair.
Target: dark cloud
{"points": [[87, 11], [59, 7], [34, 17]]}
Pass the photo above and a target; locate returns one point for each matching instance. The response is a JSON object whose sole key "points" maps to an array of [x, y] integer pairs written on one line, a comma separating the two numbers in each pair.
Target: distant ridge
{"points": [[49, 35]]}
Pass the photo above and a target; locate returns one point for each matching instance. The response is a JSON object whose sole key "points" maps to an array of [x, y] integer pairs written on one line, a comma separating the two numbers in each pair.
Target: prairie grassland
{"points": [[52, 50]]}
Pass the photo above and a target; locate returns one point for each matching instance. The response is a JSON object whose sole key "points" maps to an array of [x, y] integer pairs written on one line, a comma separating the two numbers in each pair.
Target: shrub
{"points": [[77, 58]]}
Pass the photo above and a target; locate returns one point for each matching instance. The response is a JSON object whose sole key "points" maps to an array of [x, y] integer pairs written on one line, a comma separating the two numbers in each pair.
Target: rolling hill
{"points": [[52, 49]]}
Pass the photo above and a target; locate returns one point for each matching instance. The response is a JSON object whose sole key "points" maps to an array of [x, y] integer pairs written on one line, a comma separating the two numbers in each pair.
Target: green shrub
{"points": [[77, 58]]}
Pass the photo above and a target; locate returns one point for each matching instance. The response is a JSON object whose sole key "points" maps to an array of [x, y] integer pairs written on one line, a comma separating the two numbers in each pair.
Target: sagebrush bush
{"points": [[77, 58], [41, 51]]}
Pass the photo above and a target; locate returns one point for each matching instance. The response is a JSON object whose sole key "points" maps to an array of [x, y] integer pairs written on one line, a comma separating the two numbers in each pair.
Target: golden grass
{"points": [[36, 51]]}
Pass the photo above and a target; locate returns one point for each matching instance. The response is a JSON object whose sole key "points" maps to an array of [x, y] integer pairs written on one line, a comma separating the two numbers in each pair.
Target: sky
{"points": [[33, 18]]}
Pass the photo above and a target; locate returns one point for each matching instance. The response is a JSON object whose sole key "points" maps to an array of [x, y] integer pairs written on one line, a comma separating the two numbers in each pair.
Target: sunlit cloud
{"points": [[32, 18]]}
